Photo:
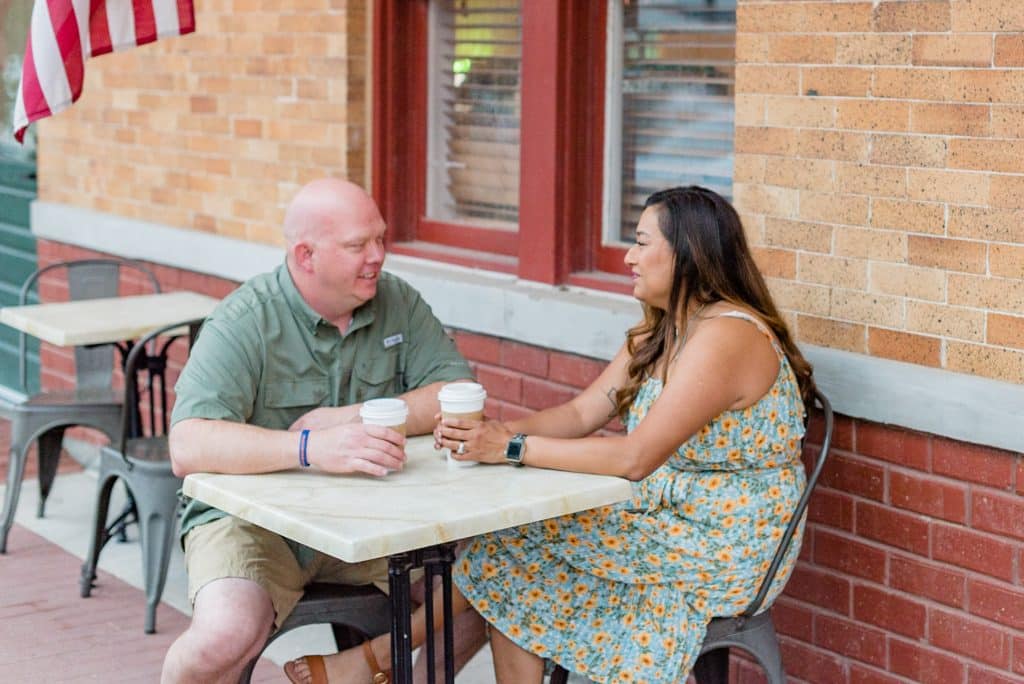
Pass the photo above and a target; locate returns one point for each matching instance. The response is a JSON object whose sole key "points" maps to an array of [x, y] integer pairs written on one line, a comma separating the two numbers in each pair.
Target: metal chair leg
{"points": [[100, 536], [156, 531], [15, 471], [763, 644], [712, 667], [129, 515], [49, 445]]}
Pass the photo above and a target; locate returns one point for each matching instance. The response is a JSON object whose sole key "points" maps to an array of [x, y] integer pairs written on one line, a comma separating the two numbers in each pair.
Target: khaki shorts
{"points": [[230, 547]]}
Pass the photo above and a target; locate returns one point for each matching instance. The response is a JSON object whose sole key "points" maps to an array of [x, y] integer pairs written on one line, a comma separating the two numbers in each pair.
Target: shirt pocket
{"points": [[292, 394], [376, 377]]}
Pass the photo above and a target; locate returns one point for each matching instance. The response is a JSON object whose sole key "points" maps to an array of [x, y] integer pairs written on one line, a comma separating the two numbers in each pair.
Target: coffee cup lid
{"points": [[462, 391], [384, 409]]}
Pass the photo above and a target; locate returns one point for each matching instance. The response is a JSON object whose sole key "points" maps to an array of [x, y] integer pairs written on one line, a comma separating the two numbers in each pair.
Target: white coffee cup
{"points": [[463, 400], [390, 413]]}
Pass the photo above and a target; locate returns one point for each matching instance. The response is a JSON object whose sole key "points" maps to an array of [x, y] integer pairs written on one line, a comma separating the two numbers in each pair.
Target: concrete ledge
{"points": [[575, 320], [186, 249], [941, 402]]}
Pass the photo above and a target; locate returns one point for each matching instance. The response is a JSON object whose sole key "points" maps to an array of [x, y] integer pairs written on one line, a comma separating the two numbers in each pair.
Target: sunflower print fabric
{"points": [[624, 593]]}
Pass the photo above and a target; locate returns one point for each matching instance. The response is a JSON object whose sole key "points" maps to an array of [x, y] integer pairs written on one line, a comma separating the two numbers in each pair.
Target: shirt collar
{"points": [[303, 311], [361, 317]]}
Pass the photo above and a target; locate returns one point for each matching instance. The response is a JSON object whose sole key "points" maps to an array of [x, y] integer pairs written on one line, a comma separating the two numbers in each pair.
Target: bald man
{"points": [[298, 348]]}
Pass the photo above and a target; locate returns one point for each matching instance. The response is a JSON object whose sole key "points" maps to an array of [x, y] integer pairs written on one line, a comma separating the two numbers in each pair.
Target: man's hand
{"points": [[327, 416], [356, 448]]}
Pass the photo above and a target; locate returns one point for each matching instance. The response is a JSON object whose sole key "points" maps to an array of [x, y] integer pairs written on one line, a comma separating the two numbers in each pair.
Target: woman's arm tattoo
{"points": [[611, 394]]}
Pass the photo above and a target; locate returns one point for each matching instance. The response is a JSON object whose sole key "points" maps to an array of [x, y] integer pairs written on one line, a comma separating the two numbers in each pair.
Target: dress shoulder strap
{"points": [[757, 323]]}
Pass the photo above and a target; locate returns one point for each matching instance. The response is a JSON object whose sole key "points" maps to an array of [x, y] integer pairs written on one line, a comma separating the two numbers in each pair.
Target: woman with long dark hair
{"points": [[710, 387]]}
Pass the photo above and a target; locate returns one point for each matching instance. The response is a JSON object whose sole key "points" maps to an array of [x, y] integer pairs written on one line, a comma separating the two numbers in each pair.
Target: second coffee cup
{"points": [[462, 400]]}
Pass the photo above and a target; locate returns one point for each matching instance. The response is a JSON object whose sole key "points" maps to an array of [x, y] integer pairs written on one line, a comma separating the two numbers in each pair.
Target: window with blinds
{"points": [[670, 108], [474, 107]]}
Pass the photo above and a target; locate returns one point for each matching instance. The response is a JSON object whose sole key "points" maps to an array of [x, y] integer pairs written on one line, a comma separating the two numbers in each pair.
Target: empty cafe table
{"points": [[110, 320], [106, 320], [117, 321]]}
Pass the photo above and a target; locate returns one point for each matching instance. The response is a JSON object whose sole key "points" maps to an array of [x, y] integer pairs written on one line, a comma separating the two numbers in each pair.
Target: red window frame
{"points": [[561, 148]]}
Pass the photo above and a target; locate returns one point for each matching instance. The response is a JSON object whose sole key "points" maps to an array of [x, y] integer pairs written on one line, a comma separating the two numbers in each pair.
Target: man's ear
{"points": [[302, 256]]}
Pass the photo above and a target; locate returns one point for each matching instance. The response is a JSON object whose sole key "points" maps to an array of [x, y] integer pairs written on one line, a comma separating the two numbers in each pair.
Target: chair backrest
{"points": [[87, 279], [801, 507], [150, 355]]}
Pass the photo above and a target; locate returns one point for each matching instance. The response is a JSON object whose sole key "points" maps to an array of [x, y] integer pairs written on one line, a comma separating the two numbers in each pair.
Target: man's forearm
{"points": [[219, 446]]}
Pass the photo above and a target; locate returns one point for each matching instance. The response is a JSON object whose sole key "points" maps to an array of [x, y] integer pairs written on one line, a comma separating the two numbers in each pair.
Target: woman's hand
{"points": [[483, 442]]}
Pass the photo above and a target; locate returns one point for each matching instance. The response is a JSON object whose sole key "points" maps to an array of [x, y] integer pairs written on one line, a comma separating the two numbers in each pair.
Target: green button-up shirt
{"points": [[264, 357]]}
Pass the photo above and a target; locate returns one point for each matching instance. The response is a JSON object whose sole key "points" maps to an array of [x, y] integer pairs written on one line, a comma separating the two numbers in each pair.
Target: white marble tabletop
{"points": [[110, 319], [356, 518]]}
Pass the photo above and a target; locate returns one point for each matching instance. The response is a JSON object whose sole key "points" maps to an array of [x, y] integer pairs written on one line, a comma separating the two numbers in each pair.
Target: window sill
{"points": [[459, 256], [605, 282]]}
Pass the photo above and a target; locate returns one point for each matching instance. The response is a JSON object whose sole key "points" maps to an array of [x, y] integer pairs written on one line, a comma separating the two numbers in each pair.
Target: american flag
{"points": [[64, 33]]}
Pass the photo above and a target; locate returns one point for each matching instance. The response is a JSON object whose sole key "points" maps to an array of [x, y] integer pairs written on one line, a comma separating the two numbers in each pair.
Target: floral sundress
{"points": [[624, 593]]}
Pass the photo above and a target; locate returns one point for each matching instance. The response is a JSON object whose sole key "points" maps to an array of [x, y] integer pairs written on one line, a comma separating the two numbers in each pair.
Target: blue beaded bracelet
{"points": [[303, 441]]}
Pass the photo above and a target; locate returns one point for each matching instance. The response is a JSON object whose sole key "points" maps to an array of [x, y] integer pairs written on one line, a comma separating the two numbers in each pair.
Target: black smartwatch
{"points": [[516, 449]]}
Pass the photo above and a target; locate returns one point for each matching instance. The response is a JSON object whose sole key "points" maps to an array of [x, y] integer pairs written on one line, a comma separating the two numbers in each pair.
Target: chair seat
{"points": [[723, 627], [62, 399], [364, 607], [42, 419], [354, 612]]}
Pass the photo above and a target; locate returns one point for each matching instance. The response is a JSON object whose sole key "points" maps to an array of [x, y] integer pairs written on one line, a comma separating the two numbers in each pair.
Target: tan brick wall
{"points": [[880, 165], [215, 131]]}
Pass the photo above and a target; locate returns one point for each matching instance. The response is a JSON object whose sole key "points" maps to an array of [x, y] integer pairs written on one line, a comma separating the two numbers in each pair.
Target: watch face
{"points": [[514, 450]]}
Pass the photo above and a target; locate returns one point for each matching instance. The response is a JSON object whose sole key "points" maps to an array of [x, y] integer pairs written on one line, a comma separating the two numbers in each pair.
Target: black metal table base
{"points": [[436, 561]]}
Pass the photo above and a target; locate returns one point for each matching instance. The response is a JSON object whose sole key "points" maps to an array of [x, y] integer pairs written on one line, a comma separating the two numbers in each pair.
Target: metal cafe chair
{"points": [[751, 630], [143, 464], [354, 613], [43, 417]]}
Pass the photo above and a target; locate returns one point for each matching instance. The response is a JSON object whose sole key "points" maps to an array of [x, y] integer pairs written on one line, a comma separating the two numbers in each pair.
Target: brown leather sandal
{"points": [[380, 676], [317, 670]]}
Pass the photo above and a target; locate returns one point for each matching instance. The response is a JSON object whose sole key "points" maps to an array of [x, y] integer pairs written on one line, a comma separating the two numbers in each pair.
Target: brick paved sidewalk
{"points": [[48, 633]]}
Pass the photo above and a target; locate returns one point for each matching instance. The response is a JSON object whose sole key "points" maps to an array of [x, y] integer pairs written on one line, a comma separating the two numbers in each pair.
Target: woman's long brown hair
{"points": [[712, 263]]}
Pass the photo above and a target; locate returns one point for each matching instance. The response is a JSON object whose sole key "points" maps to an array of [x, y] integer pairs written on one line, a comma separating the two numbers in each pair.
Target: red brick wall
{"points": [[521, 378], [58, 363], [913, 563]]}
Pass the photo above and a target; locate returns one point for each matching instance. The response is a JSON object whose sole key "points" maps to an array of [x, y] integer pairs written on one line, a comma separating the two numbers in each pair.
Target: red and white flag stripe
{"points": [[65, 33]]}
